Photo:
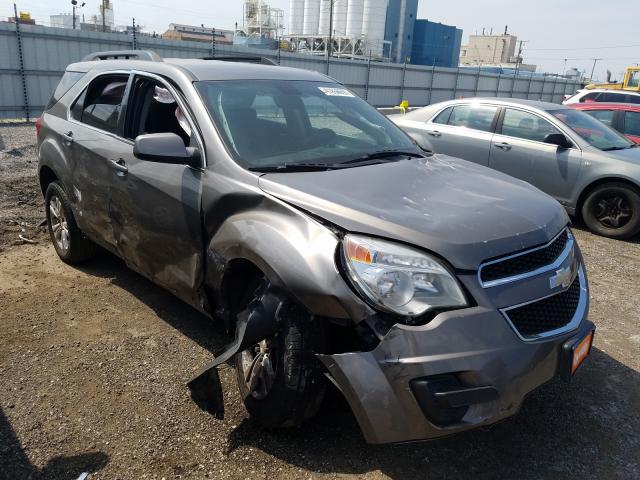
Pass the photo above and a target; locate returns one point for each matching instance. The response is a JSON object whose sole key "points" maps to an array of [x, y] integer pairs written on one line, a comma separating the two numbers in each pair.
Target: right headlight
{"points": [[400, 279]]}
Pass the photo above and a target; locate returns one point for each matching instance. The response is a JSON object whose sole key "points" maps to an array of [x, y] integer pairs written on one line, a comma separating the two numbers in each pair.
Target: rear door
{"points": [[463, 131], [518, 149], [92, 142], [155, 207]]}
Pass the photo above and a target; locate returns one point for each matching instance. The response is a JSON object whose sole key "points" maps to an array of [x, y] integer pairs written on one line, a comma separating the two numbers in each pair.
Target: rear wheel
{"points": [[279, 378], [69, 242]]}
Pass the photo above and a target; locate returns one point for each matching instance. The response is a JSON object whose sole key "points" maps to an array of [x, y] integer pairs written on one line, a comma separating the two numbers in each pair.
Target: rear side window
{"points": [[68, 80], [443, 117], [526, 125], [476, 117], [605, 116], [101, 102], [632, 123], [632, 99]]}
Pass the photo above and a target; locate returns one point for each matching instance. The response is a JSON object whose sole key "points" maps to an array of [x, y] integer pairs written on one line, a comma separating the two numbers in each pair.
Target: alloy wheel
{"points": [[59, 225], [613, 210]]}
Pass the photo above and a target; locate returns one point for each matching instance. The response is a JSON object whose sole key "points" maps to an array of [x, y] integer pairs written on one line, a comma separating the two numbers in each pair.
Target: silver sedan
{"points": [[592, 170]]}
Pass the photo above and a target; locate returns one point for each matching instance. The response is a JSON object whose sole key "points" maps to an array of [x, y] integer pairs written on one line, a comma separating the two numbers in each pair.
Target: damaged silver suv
{"points": [[434, 293]]}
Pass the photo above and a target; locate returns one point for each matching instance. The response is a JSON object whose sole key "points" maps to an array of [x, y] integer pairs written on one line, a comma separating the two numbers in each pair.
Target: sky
{"points": [[578, 30]]}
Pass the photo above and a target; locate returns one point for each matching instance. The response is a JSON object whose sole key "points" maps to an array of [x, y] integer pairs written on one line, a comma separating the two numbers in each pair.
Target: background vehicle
{"points": [[603, 95], [630, 82], [592, 170], [435, 293], [623, 117]]}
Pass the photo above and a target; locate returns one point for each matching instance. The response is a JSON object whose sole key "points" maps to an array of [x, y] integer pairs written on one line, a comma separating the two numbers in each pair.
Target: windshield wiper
{"points": [[382, 155], [292, 167]]}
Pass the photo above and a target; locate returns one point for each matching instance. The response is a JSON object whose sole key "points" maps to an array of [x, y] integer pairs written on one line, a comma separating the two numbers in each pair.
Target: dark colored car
{"points": [[433, 292], [623, 117]]}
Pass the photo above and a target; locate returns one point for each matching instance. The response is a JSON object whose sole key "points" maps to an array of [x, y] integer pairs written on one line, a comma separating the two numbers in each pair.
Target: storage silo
{"points": [[311, 17], [373, 23], [325, 14], [340, 17], [296, 16], [355, 12]]}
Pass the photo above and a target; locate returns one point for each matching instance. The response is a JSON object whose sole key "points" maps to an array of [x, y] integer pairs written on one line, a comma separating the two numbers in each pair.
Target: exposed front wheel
{"points": [[278, 378], [69, 242], [613, 210]]}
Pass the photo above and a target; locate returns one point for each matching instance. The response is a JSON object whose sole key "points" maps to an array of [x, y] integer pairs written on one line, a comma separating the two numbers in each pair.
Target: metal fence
{"points": [[33, 58]]}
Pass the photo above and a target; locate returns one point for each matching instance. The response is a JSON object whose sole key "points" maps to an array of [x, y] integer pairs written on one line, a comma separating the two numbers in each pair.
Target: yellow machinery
{"points": [[631, 81]]}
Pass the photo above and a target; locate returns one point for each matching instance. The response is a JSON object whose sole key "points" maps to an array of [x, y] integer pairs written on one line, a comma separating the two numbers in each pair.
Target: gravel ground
{"points": [[94, 361]]}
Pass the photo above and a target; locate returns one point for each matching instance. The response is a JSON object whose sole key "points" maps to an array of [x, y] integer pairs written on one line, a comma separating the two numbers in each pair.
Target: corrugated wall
{"points": [[47, 51]]}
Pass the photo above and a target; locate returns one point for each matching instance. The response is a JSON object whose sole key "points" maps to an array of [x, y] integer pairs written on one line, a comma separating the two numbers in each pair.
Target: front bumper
{"points": [[477, 346]]}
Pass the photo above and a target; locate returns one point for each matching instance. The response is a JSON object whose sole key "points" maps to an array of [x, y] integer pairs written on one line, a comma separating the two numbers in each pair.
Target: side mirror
{"points": [[165, 148], [558, 139]]}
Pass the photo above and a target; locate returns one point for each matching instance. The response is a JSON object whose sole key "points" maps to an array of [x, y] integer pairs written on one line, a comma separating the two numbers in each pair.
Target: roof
{"points": [[631, 107], [199, 69], [517, 101]]}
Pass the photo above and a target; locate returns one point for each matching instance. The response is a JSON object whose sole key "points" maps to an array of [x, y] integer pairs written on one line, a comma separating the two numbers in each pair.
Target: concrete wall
{"points": [[47, 51]]}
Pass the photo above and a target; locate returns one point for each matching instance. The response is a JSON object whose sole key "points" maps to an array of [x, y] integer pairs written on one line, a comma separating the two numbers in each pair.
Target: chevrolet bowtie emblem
{"points": [[562, 277]]}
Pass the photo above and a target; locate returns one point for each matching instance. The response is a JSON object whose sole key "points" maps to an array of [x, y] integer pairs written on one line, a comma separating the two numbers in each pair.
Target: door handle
{"points": [[119, 166], [434, 133], [503, 146], [68, 137]]}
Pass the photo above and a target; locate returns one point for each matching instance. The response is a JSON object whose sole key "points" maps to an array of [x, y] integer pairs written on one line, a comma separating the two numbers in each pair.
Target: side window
{"points": [[526, 125], [153, 109], [476, 117], [632, 123], [101, 102], [589, 97], [611, 97], [68, 80], [443, 117], [634, 79], [632, 99], [605, 116]]}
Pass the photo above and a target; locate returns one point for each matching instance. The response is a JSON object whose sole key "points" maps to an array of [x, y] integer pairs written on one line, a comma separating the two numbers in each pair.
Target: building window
{"points": [[395, 35]]}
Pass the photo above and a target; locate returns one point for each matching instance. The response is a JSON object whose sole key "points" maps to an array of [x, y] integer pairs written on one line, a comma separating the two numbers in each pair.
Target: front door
{"points": [[518, 149], [155, 207]]}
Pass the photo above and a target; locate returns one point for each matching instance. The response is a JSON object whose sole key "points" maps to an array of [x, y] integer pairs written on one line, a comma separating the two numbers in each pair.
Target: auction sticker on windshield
{"points": [[336, 92]]}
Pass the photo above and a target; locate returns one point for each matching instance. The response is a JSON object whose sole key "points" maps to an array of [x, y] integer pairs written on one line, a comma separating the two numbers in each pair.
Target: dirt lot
{"points": [[94, 360]]}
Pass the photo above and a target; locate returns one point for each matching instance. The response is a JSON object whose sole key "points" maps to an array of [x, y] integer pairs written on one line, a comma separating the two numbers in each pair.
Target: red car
{"points": [[623, 117]]}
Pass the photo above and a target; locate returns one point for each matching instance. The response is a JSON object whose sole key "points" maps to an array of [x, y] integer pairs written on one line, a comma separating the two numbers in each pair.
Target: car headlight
{"points": [[400, 279]]}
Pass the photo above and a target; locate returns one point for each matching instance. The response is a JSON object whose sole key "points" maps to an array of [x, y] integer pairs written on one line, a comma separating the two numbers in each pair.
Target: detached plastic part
{"points": [[254, 324]]}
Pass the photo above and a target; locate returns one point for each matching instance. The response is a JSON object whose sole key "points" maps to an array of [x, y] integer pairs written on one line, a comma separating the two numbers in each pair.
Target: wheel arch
{"points": [[46, 176], [602, 181]]}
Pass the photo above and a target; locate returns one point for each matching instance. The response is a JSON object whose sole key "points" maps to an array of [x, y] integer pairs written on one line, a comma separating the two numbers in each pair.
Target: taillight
{"points": [[38, 125]]}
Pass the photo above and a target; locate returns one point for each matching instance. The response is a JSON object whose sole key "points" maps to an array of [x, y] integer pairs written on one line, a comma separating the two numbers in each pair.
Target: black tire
{"points": [[613, 210], [77, 247], [298, 386]]}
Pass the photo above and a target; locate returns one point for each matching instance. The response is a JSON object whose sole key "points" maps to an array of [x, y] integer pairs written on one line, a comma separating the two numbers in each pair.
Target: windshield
{"points": [[269, 123], [592, 130]]}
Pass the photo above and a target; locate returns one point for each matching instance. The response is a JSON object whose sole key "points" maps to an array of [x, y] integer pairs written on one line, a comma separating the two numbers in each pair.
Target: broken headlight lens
{"points": [[400, 279]]}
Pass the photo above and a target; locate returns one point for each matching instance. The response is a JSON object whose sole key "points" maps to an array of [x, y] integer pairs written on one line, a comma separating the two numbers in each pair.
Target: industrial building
{"points": [[197, 34], [262, 25], [493, 51], [386, 30], [103, 21], [435, 44]]}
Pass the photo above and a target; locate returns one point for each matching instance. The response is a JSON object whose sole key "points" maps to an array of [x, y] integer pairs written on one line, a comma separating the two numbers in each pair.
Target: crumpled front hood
{"points": [[462, 211]]}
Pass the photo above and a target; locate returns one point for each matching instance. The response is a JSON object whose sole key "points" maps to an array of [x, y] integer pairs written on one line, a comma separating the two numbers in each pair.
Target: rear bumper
{"points": [[388, 388]]}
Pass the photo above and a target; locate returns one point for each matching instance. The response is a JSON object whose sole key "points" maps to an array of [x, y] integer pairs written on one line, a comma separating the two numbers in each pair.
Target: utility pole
{"points": [[519, 58], [564, 68], [595, 60], [104, 28], [330, 40]]}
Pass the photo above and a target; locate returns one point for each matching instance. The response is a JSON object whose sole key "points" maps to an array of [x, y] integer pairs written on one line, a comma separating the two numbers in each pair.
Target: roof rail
{"points": [[124, 54], [241, 59]]}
